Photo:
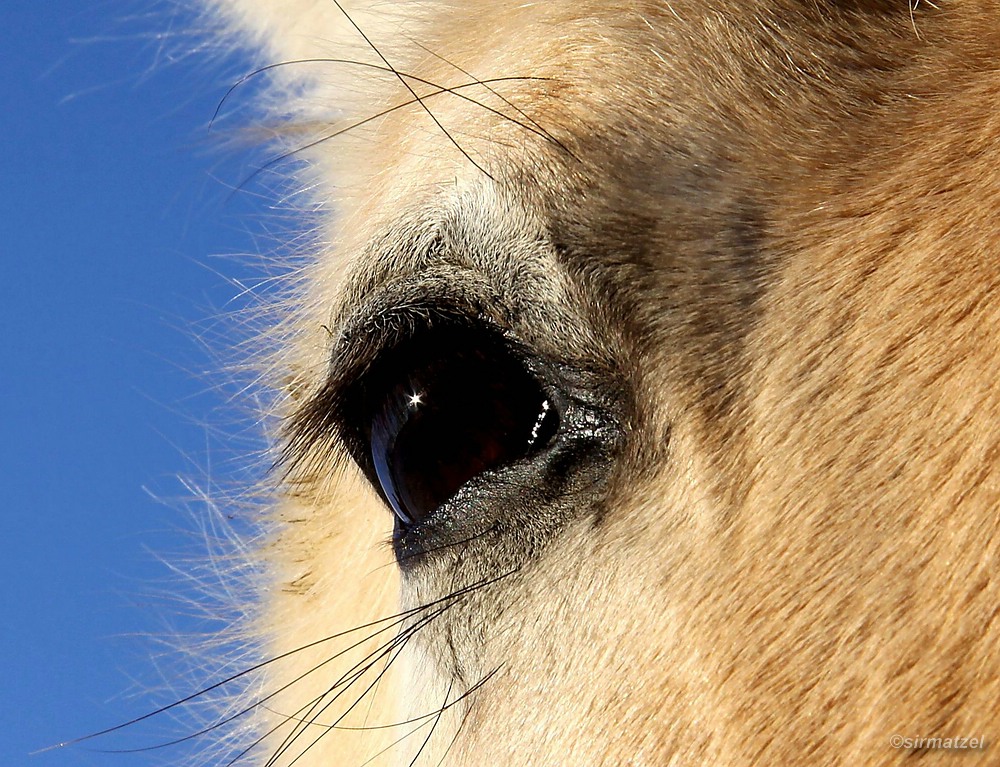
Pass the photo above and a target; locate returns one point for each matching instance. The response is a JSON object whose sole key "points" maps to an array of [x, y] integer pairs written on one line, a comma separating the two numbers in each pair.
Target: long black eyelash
{"points": [[486, 84], [243, 712], [454, 90], [312, 424], [410, 89], [422, 718], [434, 724], [397, 618], [389, 650], [389, 110], [401, 558]]}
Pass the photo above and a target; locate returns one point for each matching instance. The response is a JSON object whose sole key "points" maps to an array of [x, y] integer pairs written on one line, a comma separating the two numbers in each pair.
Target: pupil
{"points": [[449, 412]]}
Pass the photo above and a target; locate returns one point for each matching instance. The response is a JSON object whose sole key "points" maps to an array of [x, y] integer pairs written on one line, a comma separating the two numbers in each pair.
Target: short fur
{"points": [[763, 236]]}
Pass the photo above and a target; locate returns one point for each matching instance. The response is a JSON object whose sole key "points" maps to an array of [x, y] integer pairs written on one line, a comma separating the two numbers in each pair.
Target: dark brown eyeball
{"points": [[450, 406]]}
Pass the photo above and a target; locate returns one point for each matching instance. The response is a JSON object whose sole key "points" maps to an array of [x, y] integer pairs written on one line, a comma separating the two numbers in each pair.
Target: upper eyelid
{"points": [[370, 335]]}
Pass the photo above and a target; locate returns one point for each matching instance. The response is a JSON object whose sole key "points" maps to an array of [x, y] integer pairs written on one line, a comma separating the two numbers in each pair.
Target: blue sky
{"points": [[117, 238]]}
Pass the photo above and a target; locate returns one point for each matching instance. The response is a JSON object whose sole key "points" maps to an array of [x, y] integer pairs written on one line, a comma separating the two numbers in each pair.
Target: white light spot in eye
{"points": [[416, 400], [538, 422]]}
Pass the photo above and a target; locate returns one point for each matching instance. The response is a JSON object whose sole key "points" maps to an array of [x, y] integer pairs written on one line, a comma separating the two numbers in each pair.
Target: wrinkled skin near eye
{"points": [[446, 408]]}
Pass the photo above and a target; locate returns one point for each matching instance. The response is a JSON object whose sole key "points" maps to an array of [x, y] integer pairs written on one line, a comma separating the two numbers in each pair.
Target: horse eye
{"points": [[446, 411]]}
